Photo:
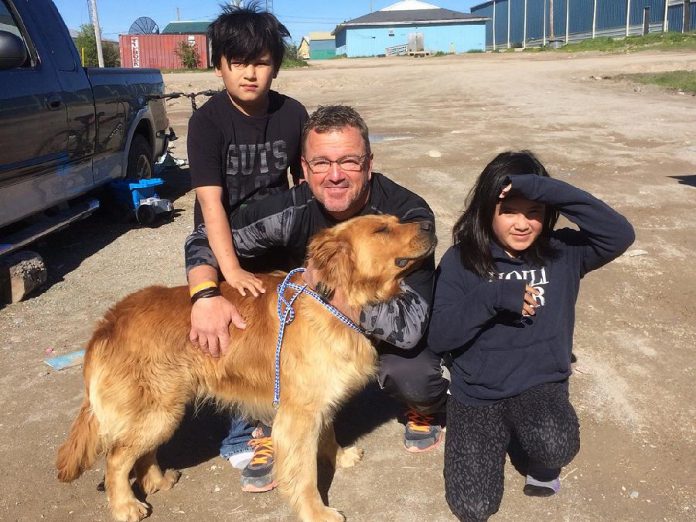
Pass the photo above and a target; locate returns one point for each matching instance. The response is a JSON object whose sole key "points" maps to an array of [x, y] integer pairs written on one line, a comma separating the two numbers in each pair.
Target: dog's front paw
{"points": [[349, 456], [329, 515], [154, 482], [171, 477], [130, 511]]}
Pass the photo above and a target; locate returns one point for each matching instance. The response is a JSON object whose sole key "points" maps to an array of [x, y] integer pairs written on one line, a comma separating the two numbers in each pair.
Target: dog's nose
{"points": [[426, 226]]}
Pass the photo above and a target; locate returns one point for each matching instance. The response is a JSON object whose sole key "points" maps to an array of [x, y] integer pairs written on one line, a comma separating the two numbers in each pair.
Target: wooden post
{"points": [[20, 274], [552, 33], [628, 17], [687, 16], [665, 20], [646, 20]]}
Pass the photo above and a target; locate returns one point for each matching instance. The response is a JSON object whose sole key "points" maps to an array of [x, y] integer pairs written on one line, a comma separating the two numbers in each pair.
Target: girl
{"points": [[504, 310]]}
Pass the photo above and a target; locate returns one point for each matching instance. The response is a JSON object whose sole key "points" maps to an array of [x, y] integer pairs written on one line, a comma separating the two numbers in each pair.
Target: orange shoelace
{"points": [[418, 421], [263, 450]]}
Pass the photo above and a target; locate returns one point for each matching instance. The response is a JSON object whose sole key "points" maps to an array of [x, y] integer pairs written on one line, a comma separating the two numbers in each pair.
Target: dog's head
{"points": [[367, 256]]}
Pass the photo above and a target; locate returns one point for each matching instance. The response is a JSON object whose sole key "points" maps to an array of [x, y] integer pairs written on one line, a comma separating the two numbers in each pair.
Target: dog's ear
{"points": [[332, 258]]}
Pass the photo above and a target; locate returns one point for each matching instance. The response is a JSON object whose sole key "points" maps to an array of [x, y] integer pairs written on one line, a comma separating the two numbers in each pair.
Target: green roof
{"points": [[186, 28]]}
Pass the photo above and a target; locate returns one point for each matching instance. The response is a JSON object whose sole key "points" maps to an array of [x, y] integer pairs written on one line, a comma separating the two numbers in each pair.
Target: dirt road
{"points": [[434, 124]]}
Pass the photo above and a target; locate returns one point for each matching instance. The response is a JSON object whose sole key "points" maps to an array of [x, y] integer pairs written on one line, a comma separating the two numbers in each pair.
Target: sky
{"points": [[300, 16]]}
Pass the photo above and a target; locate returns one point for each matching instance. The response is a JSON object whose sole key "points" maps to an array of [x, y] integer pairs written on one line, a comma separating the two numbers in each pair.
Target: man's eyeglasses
{"points": [[346, 163]]}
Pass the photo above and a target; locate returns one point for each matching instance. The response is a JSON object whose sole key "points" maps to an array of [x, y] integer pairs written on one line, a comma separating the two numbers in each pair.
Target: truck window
{"points": [[9, 22]]}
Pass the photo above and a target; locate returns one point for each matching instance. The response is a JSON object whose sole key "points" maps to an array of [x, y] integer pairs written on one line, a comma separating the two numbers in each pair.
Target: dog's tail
{"points": [[84, 443], [82, 446]]}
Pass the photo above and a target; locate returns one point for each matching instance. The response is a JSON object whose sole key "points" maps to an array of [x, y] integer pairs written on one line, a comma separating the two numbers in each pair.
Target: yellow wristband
{"points": [[202, 286]]}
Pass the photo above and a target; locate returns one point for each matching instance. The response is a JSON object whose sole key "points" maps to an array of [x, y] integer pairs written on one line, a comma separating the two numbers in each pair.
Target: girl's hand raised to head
{"points": [[505, 191]]}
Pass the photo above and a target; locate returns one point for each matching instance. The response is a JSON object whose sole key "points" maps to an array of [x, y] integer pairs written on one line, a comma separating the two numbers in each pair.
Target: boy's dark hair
{"points": [[245, 33], [334, 117], [473, 231]]}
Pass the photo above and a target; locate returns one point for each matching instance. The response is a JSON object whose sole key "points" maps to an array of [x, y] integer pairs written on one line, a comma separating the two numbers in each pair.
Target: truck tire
{"points": [[139, 158]]}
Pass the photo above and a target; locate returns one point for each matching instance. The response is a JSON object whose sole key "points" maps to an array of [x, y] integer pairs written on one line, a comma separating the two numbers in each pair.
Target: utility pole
{"points": [[178, 18], [94, 15], [552, 33]]}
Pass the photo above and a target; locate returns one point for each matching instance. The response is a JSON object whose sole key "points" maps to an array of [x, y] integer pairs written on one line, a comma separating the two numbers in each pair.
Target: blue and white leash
{"points": [[287, 315]]}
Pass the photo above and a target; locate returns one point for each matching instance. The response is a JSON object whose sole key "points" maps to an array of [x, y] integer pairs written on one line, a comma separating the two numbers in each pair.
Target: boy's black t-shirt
{"points": [[247, 156]]}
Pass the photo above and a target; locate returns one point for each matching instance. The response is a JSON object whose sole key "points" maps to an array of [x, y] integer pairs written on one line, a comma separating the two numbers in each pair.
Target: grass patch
{"points": [[684, 81], [292, 63], [669, 41]]}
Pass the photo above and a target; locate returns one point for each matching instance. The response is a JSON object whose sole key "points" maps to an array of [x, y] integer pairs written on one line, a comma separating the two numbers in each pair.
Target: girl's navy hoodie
{"points": [[496, 352]]}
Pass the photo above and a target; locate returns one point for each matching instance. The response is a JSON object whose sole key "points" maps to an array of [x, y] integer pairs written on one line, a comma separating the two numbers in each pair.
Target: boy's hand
{"points": [[243, 281], [210, 324], [530, 305]]}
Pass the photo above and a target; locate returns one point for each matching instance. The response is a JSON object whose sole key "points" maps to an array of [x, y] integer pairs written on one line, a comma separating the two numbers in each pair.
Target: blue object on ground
{"points": [[67, 360], [131, 192]]}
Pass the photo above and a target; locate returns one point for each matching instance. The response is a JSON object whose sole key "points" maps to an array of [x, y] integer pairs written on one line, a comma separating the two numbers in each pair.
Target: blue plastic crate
{"points": [[130, 192]]}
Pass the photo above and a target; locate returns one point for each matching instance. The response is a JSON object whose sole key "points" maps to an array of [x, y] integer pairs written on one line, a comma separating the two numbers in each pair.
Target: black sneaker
{"points": [[257, 476], [422, 433]]}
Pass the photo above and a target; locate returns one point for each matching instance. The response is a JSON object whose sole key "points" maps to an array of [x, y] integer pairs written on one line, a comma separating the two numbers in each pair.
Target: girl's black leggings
{"points": [[543, 422]]}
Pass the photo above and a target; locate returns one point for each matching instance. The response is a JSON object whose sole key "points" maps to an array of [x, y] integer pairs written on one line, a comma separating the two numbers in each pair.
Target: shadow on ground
{"points": [[201, 432], [65, 250], [689, 179]]}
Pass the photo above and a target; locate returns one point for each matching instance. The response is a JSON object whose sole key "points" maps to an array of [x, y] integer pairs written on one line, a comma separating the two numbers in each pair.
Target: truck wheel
{"points": [[139, 158]]}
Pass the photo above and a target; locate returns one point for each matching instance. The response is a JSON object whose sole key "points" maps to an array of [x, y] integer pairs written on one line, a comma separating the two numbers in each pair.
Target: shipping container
{"points": [[159, 50]]}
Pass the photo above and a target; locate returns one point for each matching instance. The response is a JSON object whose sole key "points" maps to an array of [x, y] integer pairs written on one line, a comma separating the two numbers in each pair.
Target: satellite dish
{"points": [[144, 25]]}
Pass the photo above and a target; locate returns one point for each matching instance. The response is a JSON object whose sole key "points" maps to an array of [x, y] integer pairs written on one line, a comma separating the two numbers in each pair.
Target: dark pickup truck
{"points": [[65, 130]]}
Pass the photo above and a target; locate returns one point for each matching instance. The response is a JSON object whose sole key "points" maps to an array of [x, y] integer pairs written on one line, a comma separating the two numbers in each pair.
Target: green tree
{"points": [[86, 44]]}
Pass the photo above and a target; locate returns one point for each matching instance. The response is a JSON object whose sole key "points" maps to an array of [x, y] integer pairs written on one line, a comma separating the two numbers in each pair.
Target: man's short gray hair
{"points": [[335, 117]]}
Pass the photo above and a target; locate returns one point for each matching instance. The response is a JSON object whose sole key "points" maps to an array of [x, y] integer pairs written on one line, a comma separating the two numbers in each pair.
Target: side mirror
{"points": [[13, 52]]}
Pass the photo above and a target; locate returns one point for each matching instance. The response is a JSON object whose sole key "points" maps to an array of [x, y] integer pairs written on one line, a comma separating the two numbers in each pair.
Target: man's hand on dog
{"points": [[210, 324]]}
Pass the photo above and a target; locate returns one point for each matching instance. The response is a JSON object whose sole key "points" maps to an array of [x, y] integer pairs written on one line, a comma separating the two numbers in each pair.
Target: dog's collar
{"points": [[286, 314]]}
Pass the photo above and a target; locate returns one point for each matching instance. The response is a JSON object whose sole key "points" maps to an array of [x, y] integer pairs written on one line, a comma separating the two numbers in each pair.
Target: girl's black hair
{"points": [[246, 33], [473, 231]]}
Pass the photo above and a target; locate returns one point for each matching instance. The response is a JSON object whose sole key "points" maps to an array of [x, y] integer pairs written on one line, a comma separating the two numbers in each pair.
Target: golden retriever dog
{"points": [[141, 370]]}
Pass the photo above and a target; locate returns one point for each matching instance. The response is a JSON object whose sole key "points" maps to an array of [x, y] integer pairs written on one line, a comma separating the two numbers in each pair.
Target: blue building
{"points": [[410, 27], [529, 23]]}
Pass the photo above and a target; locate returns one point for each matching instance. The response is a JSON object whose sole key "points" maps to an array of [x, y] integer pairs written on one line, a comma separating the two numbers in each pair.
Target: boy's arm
{"points": [[296, 166], [220, 238], [211, 316]]}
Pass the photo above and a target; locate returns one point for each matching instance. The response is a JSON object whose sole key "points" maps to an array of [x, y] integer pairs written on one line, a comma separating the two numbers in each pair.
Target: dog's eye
{"points": [[382, 230]]}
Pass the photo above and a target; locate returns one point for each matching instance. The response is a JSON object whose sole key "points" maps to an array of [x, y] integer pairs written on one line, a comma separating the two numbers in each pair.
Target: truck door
{"points": [[33, 126]]}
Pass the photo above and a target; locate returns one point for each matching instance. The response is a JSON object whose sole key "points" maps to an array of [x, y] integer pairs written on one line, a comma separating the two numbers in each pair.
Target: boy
{"points": [[240, 146]]}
